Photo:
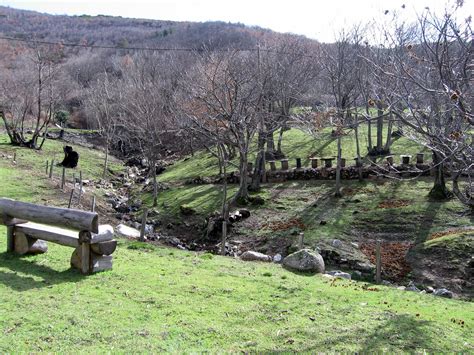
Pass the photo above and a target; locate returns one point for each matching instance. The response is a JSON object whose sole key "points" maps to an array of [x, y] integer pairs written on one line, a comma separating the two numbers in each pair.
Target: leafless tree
{"points": [[432, 69]]}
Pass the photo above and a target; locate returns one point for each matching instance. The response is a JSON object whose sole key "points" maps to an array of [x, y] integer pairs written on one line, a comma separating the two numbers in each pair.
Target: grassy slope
{"points": [[164, 300], [295, 144], [159, 299]]}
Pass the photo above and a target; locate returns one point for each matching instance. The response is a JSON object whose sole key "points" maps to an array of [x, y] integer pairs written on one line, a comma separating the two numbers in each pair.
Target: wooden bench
{"points": [[29, 226]]}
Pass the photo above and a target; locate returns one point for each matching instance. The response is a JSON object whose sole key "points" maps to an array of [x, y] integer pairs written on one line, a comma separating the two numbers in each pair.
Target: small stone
{"points": [[411, 287], [401, 288], [277, 258], [443, 292], [336, 243], [340, 274], [386, 283], [255, 256], [355, 245], [430, 289]]}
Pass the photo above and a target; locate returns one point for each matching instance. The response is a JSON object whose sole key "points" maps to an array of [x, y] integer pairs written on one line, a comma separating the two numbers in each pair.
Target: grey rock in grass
{"points": [[305, 260], [411, 287], [340, 274], [127, 232], [443, 292], [255, 256], [277, 258]]}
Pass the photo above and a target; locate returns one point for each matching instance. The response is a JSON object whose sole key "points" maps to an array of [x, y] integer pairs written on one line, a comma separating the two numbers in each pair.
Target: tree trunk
{"points": [[439, 190], [388, 142], [280, 138], [259, 163], [242, 195], [379, 132], [270, 141], [359, 165], [338, 168], [465, 198], [155, 185], [106, 160]]}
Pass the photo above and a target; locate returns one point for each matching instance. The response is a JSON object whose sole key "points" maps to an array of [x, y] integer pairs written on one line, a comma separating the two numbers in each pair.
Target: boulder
{"points": [[255, 256], [305, 260], [443, 292], [245, 213], [127, 232]]}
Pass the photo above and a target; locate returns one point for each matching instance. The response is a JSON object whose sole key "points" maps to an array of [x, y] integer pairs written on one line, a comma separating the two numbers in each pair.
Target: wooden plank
{"points": [[62, 217], [57, 235]]}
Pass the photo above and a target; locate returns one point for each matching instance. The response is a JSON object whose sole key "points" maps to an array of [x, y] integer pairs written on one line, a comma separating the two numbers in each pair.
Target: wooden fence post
{"points": [[70, 197], [51, 169], [300, 240], [378, 262], [63, 178], [47, 166], [142, 229], [80, 187]]}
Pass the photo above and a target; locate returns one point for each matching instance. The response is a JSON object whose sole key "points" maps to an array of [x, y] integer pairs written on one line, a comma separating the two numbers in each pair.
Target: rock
{"points": [[340, 274], [186, 210], [245, 213], [323, 223], [336, 243], [355, 245], [402, 288], [277, 258], [386, 283], [364, 267], [255, 256], [443, 292], [127, 232], [429, 289], [257, 201], [411, 287], [356, 275], [153, 212], [305, 260]]}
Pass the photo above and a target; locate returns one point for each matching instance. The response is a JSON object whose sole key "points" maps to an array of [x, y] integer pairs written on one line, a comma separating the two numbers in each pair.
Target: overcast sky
{"points": [[312, 18]]}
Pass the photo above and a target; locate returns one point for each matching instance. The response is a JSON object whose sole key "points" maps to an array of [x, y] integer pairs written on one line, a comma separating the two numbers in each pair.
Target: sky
{"points": [[317, 19]]}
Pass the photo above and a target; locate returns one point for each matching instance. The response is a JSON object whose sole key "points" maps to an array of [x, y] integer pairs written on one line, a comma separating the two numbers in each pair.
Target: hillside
{"points": [[124, 32], [162, 299]]}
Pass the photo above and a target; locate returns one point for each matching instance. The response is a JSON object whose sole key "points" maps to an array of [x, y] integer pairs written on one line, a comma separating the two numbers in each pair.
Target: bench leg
{"points": [[10, 239], [85, 258]]}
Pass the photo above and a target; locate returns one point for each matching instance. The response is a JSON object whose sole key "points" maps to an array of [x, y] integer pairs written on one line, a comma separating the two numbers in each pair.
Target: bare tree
{"points": [[432, 70], [30, 94], [224, 101]]}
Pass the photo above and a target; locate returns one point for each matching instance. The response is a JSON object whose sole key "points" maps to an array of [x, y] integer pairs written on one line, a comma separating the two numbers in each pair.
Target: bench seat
{"points": [[63, 236]]}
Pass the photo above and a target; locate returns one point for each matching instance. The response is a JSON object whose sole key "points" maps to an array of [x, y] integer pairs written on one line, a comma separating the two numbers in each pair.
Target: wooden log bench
{"points": [[30, 226]]}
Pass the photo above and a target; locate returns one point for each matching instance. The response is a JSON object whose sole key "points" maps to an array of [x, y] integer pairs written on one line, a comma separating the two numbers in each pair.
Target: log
{"points": [[96, 262], [10, 221], [104, 248], [106, 233], [62, 217], [26, 245], [60, 236], [85, 254]]}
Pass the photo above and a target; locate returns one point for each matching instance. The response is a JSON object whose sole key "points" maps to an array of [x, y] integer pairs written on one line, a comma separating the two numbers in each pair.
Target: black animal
{"points": [[71, 158]]}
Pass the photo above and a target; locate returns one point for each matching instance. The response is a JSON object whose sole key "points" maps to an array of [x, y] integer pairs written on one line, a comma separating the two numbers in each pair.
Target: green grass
{"points": [[166, 300], [158, 299], [90, 161]]}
